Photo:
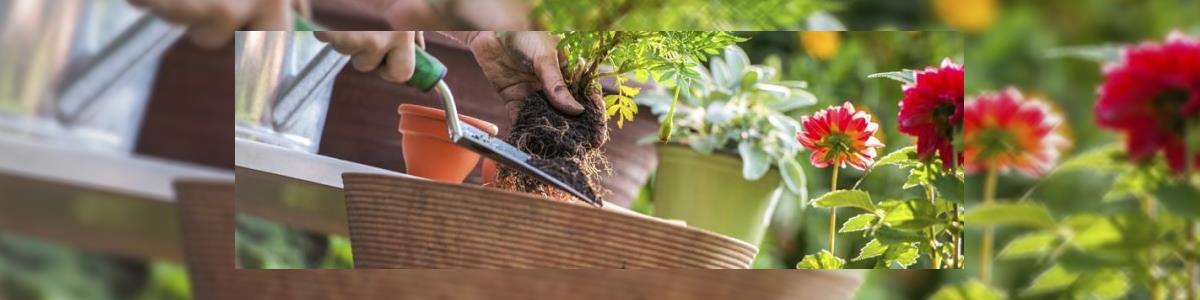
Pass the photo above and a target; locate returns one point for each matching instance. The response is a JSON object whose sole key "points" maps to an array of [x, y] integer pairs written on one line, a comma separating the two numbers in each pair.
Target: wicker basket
{"points": [[398, 222]]}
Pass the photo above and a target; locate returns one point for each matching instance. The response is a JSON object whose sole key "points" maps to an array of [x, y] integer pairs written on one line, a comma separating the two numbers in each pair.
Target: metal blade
{"points": [[502, 152]]}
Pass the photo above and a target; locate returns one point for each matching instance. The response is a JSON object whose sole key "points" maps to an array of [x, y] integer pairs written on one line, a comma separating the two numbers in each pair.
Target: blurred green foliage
{"points": [[676, 14], [263, 244], [33, 269]]}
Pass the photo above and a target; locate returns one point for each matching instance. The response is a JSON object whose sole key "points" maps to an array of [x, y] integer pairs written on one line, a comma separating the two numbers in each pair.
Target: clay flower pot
{"points": [[427, 149], [489, 171]]}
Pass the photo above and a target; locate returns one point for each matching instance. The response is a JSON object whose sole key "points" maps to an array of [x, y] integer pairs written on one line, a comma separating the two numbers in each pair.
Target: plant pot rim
{"points": [[440, 115], [717, 152]]}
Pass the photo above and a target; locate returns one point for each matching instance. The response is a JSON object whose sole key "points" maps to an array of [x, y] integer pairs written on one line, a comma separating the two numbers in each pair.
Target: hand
{"points": [[510, 15], [211, 23], [369, 50], [522, 63]]}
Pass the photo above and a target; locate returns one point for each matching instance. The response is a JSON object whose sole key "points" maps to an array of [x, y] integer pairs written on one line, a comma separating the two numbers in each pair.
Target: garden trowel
{"points": [[428, 75]]}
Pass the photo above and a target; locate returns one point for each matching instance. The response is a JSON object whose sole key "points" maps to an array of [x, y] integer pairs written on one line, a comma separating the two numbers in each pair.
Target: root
{"points": [[567, 147]]}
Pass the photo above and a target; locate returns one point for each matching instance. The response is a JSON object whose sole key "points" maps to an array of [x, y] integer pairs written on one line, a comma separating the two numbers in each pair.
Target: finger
{"points": [[550, 74], [401, 59], [562, 60], [272, 15], [371, 54], [216, 28], [420, 39], [184, 12], [139, 3], [217, 20], [344, 42], [322, 36]]}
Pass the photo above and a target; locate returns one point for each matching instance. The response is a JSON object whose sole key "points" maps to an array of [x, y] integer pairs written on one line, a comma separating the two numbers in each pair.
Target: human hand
{"points": [[392, 52], [522, 63], [448, 14], [211, 23]]}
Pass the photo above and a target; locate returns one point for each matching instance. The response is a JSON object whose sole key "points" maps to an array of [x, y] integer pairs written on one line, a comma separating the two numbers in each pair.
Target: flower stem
{"points": [[1147, 205], [833, 213], [1190, 264], [958, 240], [985, 257], [958, 234], [933, 251]]}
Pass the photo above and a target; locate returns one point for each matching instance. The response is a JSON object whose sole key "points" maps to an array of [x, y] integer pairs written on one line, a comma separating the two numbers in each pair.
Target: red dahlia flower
{"points": [[1151, 95], [840, 136], [932, 109], [1005, 130]]}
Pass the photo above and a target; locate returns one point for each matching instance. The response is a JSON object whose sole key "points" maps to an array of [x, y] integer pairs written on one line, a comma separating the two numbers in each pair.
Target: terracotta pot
{"points": [[427, 149], [489, 172]]}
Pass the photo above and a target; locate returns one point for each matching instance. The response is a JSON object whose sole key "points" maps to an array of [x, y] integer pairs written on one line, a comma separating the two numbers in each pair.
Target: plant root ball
{"points": [[567, 147]]}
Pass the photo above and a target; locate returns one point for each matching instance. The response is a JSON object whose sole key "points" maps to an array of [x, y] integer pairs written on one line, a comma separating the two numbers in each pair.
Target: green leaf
{"points": [[1180, 199], [971, 290], [904, 76], [821, 261], [901, 255], [1092, 231], [1103, 284], [794, 178], [871, 249], [846, 198], [859, 223], [1028, 245], [1103, 159], [913, 214], [951, 188], [755, 161], [1055, 279], [1099, 54], [918, 177], [1021, 214], [904, 157], [892, 236]]}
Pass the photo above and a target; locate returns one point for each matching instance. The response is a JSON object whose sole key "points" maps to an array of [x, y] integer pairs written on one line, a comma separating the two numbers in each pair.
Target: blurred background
{"points": [[1048, 50]]}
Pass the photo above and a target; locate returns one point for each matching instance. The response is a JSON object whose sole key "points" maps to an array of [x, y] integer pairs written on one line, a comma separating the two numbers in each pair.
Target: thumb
{"points": [[548, 71]]}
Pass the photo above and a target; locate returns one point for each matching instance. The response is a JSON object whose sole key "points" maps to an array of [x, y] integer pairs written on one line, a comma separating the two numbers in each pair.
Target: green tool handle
{"points": [[427, 70]]}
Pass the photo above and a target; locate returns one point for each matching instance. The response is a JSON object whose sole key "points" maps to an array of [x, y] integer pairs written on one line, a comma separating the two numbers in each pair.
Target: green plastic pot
{"points": [[709, 192]]}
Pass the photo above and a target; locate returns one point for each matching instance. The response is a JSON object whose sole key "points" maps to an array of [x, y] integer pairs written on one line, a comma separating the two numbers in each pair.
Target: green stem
{"points": [[956, 240], [1190, 264], [933, 251], [1147, 205], [833, 213], [957, 216], [985, 257], [668, 123]]}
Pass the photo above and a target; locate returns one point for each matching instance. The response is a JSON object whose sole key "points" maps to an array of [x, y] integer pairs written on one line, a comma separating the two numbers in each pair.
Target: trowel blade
{"points": [[502, 152]]}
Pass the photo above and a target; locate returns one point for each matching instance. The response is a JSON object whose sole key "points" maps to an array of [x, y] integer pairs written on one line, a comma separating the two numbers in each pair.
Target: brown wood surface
{"points": [[400, 222], [206, 213]]}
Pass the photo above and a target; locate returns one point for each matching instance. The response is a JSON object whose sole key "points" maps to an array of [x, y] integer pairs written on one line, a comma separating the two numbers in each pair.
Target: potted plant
{"points": [[569, 146], [734, 152]]}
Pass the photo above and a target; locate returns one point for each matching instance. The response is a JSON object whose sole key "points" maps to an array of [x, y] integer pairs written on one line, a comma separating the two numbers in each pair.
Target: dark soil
{"points": [[568, 171], [567, 147]]}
